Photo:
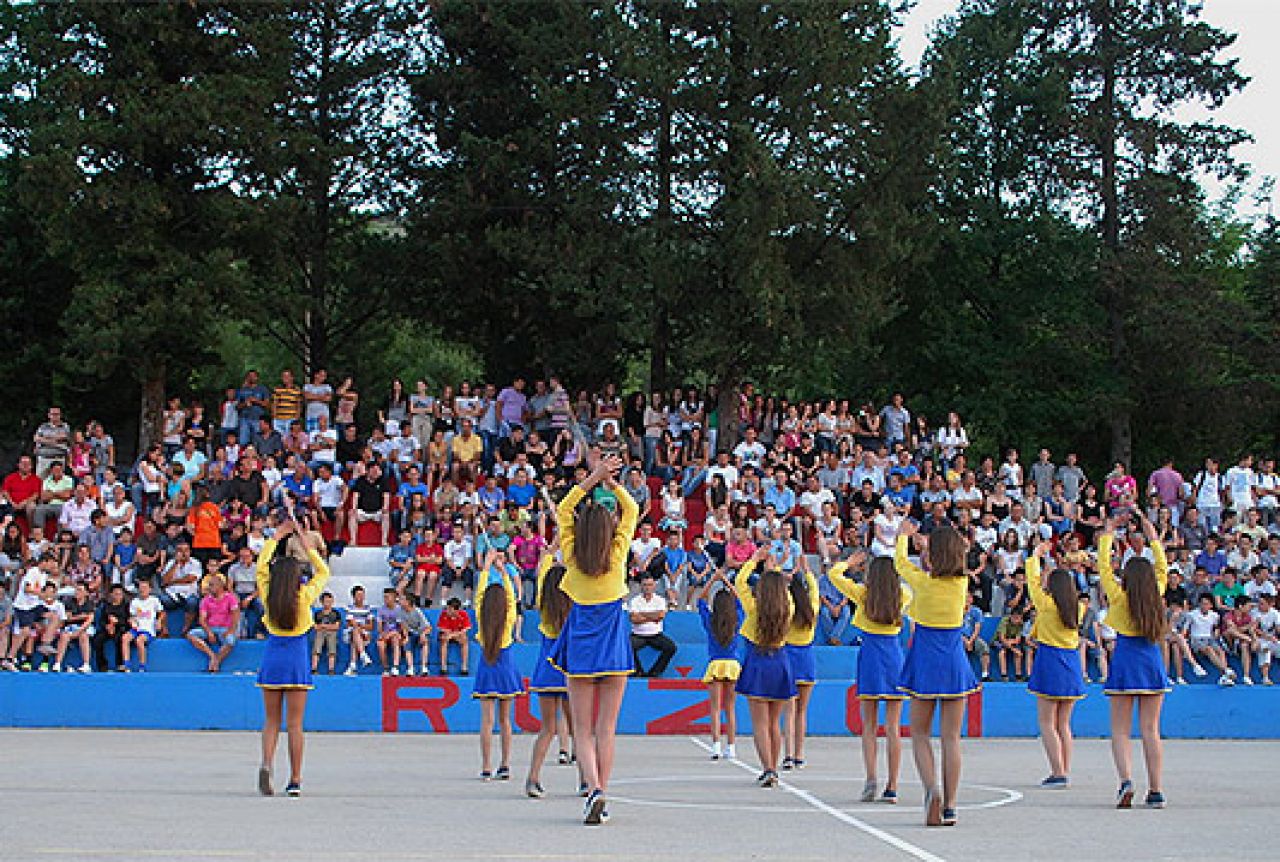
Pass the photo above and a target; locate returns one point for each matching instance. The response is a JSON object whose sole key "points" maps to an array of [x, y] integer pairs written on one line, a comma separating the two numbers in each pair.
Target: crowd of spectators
{"points": [[459, 480]]}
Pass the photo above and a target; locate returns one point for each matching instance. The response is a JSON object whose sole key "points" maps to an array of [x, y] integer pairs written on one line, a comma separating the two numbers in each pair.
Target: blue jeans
{"points": [[251, 618], [650, 452], [244, 434], [837, 628], [693, 479]]}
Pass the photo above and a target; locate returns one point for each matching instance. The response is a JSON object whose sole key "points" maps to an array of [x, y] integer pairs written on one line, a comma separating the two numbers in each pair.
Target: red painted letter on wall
{"points": [[393, 701]]}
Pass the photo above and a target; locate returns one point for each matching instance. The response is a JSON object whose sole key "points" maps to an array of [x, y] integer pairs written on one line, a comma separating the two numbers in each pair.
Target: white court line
{"points": [[875, 832]]}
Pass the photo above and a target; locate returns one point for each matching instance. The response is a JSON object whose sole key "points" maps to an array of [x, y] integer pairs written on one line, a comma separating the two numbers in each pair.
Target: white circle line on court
{"points": [[1005, 796], [857, 823]]}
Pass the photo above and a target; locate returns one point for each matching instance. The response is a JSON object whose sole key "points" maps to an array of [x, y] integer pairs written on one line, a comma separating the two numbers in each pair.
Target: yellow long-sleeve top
{"points": [[308, 593], [547, 629], [585, 589], [750, 624], [1048, 628], [938, 602], [800, 635], [509, 627], [857, 593], [1118, 616]]}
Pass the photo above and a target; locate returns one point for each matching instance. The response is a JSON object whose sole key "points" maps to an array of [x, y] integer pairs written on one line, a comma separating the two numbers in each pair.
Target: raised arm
{"points": [[742, 585], [1106, 572], [838, 575], [1035, 587], [907, 570]]}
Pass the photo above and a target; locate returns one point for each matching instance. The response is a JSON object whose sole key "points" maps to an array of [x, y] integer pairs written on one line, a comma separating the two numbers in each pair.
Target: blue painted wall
{"points": [[182, 701]]}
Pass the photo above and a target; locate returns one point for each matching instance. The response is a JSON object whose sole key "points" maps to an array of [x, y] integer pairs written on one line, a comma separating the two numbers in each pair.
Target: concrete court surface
{"points": [[137, 795]]}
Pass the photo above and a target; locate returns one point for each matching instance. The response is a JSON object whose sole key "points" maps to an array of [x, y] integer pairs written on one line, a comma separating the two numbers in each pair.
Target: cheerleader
{"points": [[936, 672], [1057, 678], [880, 603], [594, 647], [766, 679], [547, 682], [1137, 675], [285, 675], [721, 621], [497, 679], [799, 651]]}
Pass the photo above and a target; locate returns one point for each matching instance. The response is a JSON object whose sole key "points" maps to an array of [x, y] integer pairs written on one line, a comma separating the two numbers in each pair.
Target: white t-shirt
{"points": [[457, 552], [188, 569], [1253, 589], [752, 454], [639, 605], [886, 534], [324, 445], [145, 613], [1240, 482], [124, 510], [813, 500], [973, 495], [329, 491], [1267, 622], [1201, 624], [1209, 495], [316, 409], [57, 609], [642, 549], [728, 473], [24, 600], [1267, 482]]}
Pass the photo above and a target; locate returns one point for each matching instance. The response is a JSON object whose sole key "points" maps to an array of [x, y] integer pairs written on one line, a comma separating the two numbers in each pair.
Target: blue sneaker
{"points": [[1056, 782], [1124, 798], [1155, 799]]}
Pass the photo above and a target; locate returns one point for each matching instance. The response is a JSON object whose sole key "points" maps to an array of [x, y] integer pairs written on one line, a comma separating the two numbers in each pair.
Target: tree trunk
{"points": [[151, 418], [1110, 274], [660, 262], [728, 387]]}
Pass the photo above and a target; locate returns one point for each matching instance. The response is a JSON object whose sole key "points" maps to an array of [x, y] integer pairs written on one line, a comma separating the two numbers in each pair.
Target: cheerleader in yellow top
{"points": [[799, 651], [1057, 678], [1138, 678], [547, 682], [936, 672], [497, 680], [880, 602], [766, 679], [594, 646], [285, 675]]}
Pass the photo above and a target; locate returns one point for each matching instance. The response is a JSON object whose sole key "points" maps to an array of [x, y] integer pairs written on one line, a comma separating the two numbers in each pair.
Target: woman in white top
{"points": [[952, 439], [120, 510], [885, 530]]}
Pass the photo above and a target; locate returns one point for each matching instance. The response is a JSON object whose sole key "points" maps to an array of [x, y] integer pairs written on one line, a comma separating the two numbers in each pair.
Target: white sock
{"points": [[715, 748]]}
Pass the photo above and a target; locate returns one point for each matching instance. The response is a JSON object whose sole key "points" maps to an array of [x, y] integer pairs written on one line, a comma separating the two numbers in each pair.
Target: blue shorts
{"points": [[140, 636], [221, 634]]}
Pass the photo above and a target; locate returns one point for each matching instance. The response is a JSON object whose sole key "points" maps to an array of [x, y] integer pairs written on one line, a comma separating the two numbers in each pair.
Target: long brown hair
{"points": [[884, 593], [282, 594], [947, 549], [1146, 606], [593, 539], [803, 616], [493, 619], [1062, 586], [773, 612], [724, 617], [553, 603]]}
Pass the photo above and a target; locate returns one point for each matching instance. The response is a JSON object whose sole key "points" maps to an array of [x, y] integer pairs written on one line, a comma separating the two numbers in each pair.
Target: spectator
{"points": [[112, 625], [971, 636], [55, 492], [428, 561], [52, 442], [146, 619], [1010, 642], [1203, 627], [1267, 621], [218, 623], [359, 630], [1240, 481], [21, 492], [647, 611], [181, 585], [834, 614], [77, 624], [390, 638], [895, 420], [454, 624], [1044, 473], [372, 495], [327, 622], [1208, 489], [244, 584], [456, 566]]}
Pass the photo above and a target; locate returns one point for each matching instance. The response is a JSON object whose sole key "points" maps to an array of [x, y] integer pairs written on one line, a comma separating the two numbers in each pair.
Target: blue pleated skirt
{"points": [[1057, 674], [595, 641], [936, 666], [880, 667], [766, 675], [499, 679], [804, 667], [546, 679], [286, 663], [1136, 668]]}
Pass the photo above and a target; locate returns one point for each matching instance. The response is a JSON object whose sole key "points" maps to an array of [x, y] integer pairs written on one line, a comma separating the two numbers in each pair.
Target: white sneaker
{"points": [[1198, 670], [350, 671], [57, 667], [715, 750], [395, 671], [1182, 680], [1226, 681], [84, 668], [731, 751], [365, 661], [409, 670], [1231, 673], [1247, 680]]}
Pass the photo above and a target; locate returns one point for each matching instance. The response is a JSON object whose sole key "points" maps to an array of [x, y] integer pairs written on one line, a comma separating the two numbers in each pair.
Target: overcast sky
{"points": [[1256, 109]]}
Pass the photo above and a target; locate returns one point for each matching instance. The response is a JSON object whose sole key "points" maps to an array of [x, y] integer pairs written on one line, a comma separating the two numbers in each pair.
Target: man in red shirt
{"points": [[21, 490]]}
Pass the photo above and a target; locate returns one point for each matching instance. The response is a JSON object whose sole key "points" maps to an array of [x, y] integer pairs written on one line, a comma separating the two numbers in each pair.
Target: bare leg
{"points": [[504, 729], [870, 724], [713, 694], [729, 699], [1121, 725], [1047, 715], [548, 706], [486, 734], [775, 709], [1065, 735], [952, 720], [893, 741], [273, 706], [297, 710], [760, 732], [1149, 707], [582, 699], [921, 745], [611, 690], [800, 720]]}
